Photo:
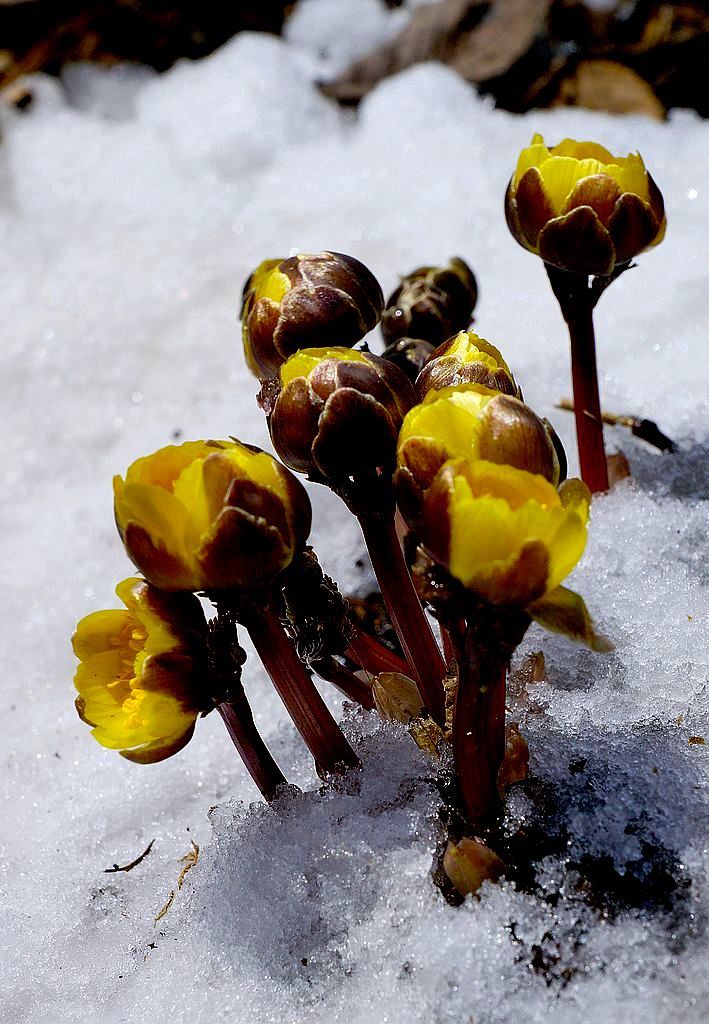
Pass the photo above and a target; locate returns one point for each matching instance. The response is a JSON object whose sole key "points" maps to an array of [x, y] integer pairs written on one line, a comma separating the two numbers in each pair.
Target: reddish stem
{"points": [[346, 681], [296, 689], [478, 727], [587, 405], [425, 662], [373, 656], [259, 762], [577, 301]]}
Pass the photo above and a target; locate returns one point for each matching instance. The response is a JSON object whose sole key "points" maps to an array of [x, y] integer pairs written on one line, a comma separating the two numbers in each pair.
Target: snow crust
{"points": [[130, 217]]}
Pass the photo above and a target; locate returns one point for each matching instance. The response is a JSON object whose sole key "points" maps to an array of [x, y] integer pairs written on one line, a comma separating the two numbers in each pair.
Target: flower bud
{"points": [[472, 422], [141, 670], [431, 303], [209, 515], [466, 359], [409, 354], [337, 418], [469, 863], [306, 301], [582, 209], [507, 535]]}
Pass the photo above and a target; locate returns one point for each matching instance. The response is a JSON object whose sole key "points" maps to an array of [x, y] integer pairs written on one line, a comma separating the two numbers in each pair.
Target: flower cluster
{"points": [[433, 449]]}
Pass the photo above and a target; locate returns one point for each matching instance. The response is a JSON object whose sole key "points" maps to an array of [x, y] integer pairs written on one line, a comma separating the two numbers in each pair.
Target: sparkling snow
{"points": [[130, 217]]}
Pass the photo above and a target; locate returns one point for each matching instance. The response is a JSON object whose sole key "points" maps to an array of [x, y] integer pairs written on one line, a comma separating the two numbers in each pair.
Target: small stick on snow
{"points": [[133, 863]]}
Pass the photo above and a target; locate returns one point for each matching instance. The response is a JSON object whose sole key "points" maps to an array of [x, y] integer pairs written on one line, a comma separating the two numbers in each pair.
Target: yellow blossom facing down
{"points": [[140, 670], [466, 358], [582, 209], [507, 535], [210, 515]]}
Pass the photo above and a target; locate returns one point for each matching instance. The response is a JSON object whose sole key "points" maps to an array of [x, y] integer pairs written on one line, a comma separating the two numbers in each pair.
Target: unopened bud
{"points": [[306, 301], [409, 354], [582, 209], [466, 359], [470, 422], [431, 303], [337, 418]]}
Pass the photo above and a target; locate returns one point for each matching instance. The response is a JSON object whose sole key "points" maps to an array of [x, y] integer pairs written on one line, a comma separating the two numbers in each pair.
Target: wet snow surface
{"points": [[129, 221]]}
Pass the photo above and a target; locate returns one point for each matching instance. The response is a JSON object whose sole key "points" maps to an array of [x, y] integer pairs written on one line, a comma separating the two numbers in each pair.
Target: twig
{"points": [[646, 430], [133, 863]]}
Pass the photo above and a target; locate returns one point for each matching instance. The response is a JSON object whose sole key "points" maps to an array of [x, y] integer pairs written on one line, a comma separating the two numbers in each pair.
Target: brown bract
{"points": [[431, 303], [330, 297], [339, 425], [600, 226]]}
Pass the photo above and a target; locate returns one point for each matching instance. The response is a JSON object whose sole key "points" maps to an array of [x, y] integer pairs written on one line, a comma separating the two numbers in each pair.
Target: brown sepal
{"points": [[599, 191], [159, 567], [260, 325], [293, 425], [243, 550], [516, 436], [533, 207], [632, 226], [356, 438], [579, 243]]}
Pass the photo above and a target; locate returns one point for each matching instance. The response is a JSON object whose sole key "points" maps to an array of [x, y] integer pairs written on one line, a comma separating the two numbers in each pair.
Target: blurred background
{"points": [[617, 55]]}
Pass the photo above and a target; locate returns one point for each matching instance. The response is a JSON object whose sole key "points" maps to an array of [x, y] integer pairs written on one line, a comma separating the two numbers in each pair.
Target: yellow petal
{"points": [[96, 632], [304, 362]]}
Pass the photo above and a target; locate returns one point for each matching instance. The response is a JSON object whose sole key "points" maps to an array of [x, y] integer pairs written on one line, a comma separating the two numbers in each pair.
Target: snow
{"points": [[130, 217]]}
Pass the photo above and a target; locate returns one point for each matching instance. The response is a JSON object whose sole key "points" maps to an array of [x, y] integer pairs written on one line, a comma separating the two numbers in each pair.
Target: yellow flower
{"points": [[304, 301], [507, 535], [474, 422], [139, 672], [466, 358], [582, 209], [210, 514]]}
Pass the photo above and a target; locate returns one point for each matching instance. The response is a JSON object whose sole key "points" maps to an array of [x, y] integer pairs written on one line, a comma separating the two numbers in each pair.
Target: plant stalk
{"points": [[424, 658], [259, 762], [346, 681], [478, 726], [577, 301], [372, 655], [312, 719]]}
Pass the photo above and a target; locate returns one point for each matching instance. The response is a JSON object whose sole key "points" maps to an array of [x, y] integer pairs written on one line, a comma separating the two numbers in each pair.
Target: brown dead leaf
{"points": [[608, 85], [480, 40], [618, 468], [515, 766], [189, 860]]}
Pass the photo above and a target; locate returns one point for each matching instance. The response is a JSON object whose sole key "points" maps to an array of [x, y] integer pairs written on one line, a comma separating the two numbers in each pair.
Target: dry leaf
{"points": [[515, 766], [189, 860], [469, 863], [479, 40], [396, 697], [608, 85], [618, 468]]}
